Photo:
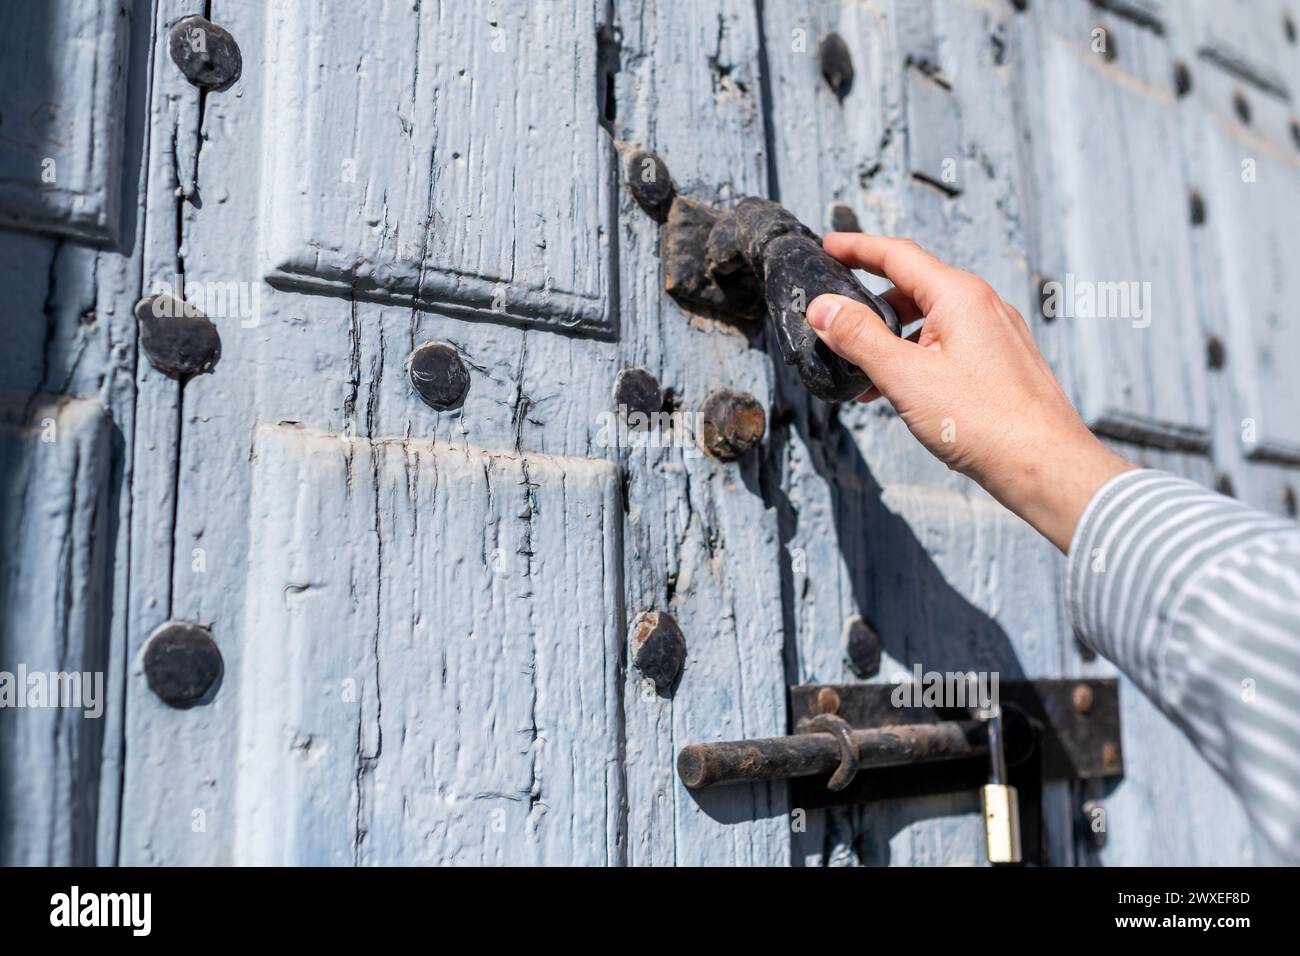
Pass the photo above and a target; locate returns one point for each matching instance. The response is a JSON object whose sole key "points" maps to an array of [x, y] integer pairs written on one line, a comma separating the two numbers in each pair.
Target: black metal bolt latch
{"points": [[855, 743]]}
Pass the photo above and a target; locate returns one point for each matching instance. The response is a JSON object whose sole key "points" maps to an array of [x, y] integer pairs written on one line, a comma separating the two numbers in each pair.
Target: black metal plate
{"points": [[1041, 722]]}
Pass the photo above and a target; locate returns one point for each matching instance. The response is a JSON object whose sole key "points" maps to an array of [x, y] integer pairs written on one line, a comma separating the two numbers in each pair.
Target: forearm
{"points": [[1052, 479], [1197, 599]]}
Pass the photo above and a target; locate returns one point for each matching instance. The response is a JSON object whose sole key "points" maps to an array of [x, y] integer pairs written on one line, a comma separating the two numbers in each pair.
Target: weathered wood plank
{"points": [[64, 71], [433, 639], [872, 525], [152, 449], [761, 562], [1113, 224], [1248, 173], [56, 591], [700, 538], [338, 366], [443, 153]]}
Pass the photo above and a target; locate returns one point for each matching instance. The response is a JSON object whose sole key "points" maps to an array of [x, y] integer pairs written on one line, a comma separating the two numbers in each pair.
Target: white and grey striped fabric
{"points": [[1196, 597]]}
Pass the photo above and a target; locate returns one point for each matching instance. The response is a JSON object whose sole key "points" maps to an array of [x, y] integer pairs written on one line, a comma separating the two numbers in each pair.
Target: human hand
{"points": [[970, 384]]}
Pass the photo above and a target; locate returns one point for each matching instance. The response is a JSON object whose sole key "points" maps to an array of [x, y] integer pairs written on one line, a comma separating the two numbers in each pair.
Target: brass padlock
{"points": [[998, 801]]}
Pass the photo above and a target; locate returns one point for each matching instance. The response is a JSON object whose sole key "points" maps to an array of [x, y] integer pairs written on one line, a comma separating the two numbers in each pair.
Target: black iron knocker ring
{"points": [[751, 260]]}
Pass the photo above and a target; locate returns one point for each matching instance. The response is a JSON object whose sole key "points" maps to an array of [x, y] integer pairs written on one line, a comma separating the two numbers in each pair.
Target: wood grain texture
{"points": [[55, 588], [337, 365], [328, 526], [64, 70], [433, 642], [1102, 122], [1248, 171], [700, 537], [873, 526], [442, 153]]}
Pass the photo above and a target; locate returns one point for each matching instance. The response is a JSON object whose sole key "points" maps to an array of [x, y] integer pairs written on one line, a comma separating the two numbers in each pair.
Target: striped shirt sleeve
{"points": [[1196, 597]]}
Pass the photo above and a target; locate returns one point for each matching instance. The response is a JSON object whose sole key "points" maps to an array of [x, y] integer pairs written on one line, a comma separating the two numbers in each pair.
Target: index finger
{"points": [[920, 275]]}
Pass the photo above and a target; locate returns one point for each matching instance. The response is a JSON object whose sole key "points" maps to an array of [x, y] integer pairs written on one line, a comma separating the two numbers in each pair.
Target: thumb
{"points": [[853, 331]]}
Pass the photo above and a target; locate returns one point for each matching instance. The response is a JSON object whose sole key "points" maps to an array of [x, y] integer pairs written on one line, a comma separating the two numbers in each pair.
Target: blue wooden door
{"points": [[392, 503]]}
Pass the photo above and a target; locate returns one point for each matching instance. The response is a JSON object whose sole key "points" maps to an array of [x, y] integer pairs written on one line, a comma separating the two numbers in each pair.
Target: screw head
{"points": [[648, 180], [439, 376], [1082, 698], [636, 390], [1241, 106], [836, 64], [861, 647], [182, 664], [207, 55], [828, 701], [732, 424], [178, 339], [1215, 354], [1110, 756], [658, 648]]}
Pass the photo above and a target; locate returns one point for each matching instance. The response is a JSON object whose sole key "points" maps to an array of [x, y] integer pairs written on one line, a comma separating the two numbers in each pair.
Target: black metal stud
{"points": [[648, 180], [636, 390], [1182, 78], [439, 375], [836, 63], [1215, 353], [658, 648], [844, 219], [1223, 485], [207, 55], [182, 664], [861, 647], [1196, 208], [1241, 106], [732, 424], [179, 340]]}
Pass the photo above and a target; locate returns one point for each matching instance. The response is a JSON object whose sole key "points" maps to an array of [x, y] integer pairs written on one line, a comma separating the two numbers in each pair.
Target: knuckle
{"points": [[980, 291], [900, 246]]}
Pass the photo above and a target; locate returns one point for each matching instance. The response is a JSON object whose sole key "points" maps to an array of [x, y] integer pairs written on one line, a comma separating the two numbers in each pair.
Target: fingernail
{"points": [[821, 313]]}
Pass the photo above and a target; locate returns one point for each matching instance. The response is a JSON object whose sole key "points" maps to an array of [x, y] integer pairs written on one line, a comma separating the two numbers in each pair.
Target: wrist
{"points": [[1052, 482]]}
